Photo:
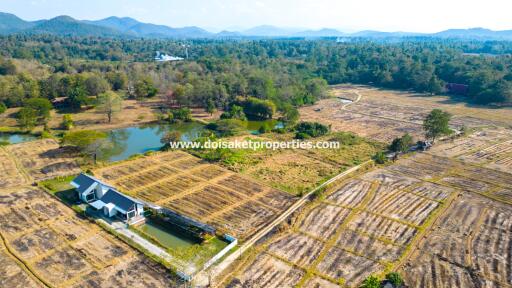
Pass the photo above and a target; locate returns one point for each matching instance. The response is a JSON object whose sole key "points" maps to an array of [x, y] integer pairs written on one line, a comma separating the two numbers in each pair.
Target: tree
{"points": [[380, 157], [290, 115], [437, 124], [109, 103], [7, 68], [434, 85], [117, 80], [170, 137], [3, 108], [83, 138], [67, 122], [235, 112], [145, 88], [27, 118], [227, 127], [184, 114], [87, 141], [96, 85], [41, 108], [257, 108], [402, 144], [371, 282], [395, 279], [210, 107], [311, 129]]}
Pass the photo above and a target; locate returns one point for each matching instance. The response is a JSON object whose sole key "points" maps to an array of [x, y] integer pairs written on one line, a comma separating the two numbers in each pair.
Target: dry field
{"points": [[62, 250], [470, 246], [299, 170], [382, 114], [362, 226], [230, 202], [43, 159], [9, 174]]}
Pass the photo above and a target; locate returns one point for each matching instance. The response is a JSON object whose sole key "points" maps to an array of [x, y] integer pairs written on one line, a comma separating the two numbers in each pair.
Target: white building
{"points": [[104, 197], [161, 57]]}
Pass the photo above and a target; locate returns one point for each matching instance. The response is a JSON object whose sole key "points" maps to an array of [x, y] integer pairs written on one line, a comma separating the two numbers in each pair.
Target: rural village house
{"points": [[104, 197]]}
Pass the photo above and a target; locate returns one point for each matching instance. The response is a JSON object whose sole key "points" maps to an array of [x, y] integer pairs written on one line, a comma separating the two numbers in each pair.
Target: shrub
{"points": [[380, 157], [3, 108], [371, 282], [312, 129], [227, 127], [395, 279], [67, 122]]}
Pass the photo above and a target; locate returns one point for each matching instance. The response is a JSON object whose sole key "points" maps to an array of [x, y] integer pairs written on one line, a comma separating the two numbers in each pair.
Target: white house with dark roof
{"points": [[106, 198]]}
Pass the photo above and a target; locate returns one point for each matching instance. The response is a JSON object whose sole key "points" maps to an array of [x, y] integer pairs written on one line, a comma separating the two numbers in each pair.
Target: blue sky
{"points": [[346, 15]]}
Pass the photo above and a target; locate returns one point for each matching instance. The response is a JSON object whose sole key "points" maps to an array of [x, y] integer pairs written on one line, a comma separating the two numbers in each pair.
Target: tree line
{"points": [[289, 73]]}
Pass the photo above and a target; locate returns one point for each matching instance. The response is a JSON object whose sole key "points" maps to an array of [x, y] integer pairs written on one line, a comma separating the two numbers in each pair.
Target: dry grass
{"points": [[233, 203], [64, 250]]}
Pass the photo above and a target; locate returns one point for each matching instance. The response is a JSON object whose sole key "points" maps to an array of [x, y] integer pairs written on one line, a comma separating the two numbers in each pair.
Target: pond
{"points": [[168, 237], [253, 126], [126, 142], [15, 138]]}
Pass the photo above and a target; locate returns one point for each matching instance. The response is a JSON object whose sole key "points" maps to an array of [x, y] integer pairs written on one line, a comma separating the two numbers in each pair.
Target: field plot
{"points": [[9, 174], [296, 248], [375, 127], [44, 159], [469, 247], [383, 115], [12, 275], [267, 271], [323, 220], [489, 154], [361, 226], [64, 250], [232, 203], [352, 268]]}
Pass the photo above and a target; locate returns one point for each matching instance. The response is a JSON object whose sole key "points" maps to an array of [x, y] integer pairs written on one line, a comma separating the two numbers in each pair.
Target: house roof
{"points": [[84, 181], [98, 204], [121, 201]]}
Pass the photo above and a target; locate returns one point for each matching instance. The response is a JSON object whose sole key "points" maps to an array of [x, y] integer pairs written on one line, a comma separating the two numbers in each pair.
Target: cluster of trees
{"points": [[393, 278], [435, 125], [305, 130], [284, 71]]}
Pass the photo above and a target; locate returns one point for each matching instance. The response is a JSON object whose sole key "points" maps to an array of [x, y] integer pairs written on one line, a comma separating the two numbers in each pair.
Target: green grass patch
{"points": [[61, 188]]}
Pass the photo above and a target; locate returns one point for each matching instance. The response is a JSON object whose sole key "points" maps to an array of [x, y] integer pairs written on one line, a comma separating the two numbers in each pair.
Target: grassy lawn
{"points": [[193, 254], [61, 188], [294, 170]]}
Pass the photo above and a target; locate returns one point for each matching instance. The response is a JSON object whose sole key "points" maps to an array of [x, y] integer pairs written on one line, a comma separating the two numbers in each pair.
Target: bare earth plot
{"points": [[362, 227], [382, 114], [471, 244], [44, 159], [9, 174], [63, 250], [230, 202]]}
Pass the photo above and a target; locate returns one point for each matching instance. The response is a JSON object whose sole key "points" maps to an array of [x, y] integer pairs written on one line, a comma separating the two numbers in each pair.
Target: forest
{"points": [[288, 73]]}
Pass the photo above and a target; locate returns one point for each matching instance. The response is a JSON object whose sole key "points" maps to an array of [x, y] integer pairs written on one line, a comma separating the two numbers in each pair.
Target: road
{"points": [[201, 279]]}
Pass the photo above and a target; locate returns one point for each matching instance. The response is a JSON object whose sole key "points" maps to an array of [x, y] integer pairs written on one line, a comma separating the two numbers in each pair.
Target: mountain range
{"points": [[129, 27]]}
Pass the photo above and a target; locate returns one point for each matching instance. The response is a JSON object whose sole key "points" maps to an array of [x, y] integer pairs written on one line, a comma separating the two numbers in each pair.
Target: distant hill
{"points": [[65, 25], [325, 32], [270, 31], [129, 27], [10, 23], [475, 33]]}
